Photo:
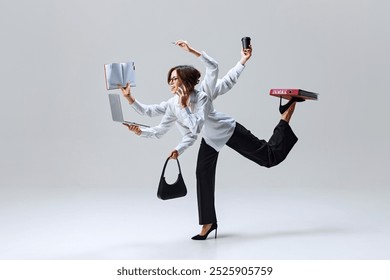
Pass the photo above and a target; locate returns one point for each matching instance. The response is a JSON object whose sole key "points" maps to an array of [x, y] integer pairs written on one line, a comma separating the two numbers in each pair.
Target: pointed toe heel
{"points": [[204, 237], [284, 108]]}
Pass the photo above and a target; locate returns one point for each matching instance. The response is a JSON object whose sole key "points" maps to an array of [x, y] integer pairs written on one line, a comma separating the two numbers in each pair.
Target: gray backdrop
{"points": [[70, 175]]}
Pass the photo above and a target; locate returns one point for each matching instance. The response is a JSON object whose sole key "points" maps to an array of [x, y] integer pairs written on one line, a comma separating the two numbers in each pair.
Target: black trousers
{"points": [[264, 153]]}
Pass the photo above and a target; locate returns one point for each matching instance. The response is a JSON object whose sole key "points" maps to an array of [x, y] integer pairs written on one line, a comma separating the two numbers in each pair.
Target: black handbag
{"points": [[168, 191]]}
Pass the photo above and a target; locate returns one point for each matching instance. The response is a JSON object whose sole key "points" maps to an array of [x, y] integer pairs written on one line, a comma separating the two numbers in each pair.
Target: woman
{"points": [[219, 130], [226, 131]]}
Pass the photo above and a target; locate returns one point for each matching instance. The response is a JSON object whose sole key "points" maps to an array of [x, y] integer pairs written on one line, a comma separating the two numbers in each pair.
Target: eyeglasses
{"points": [[171, 80]]}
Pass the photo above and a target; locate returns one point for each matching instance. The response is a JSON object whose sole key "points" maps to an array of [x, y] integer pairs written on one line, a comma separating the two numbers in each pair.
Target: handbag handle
{"points": [[165, 165]]}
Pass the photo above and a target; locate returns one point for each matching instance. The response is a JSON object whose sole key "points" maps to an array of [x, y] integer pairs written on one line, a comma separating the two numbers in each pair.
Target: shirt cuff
{"points": [[136, 105], [203, 56], [240, 67], [145, 132], [180, 149]]}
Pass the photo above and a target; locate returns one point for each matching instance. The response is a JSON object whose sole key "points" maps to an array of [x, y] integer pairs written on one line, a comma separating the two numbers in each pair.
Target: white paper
{"points": [[119, 74]]}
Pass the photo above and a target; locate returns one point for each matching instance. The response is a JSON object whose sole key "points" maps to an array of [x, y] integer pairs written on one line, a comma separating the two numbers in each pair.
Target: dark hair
{"points": [[187, 74]]}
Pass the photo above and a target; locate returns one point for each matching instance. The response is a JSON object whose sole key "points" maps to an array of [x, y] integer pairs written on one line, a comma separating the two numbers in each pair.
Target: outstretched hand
{"points": [[246, 55], [185, 46], [133, 128], [127, 93]]}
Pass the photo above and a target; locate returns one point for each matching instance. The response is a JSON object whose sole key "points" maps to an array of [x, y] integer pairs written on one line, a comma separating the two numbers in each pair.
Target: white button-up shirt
{"points": [[215, 127], [189, 120]]}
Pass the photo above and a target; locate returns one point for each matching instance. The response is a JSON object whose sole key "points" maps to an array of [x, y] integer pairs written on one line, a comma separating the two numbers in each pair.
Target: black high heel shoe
{"points": [[203, 237], [284, 108]]}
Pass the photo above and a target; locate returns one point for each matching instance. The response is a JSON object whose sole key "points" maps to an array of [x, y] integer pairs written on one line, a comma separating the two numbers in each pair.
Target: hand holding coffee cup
{"points": [[246, 42]]}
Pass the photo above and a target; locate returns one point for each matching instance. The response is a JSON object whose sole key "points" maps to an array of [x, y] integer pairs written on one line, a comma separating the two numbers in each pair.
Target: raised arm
{"points": [[185, 46], [230, 79], [209, 81]]}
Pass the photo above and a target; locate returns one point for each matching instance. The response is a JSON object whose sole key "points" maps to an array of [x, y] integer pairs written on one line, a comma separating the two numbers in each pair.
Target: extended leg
{"points": [[264, 153]]}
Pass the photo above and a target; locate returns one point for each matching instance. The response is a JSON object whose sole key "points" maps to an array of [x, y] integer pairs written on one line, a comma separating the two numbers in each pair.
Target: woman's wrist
{"points": [[130, 99], [195, 52], [243, 60]]}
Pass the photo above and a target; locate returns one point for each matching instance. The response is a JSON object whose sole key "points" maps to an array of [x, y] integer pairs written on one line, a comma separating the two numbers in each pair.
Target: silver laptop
{"points": [[116, 110]]}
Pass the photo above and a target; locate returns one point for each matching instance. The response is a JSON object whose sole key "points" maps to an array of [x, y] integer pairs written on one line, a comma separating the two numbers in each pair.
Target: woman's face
{"points": [[174, 82]]}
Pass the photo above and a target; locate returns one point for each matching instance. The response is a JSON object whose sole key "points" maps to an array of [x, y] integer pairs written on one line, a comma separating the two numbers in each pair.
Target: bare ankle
{"points": [[286, 116], [205, 228]]}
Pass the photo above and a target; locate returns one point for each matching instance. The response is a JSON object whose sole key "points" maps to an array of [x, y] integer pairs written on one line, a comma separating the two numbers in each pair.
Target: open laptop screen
{"points": [[116, 110]]}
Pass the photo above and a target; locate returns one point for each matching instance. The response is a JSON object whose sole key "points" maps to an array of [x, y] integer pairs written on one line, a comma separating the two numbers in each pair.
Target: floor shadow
{"points": [[282, 234], [174, 248]]}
